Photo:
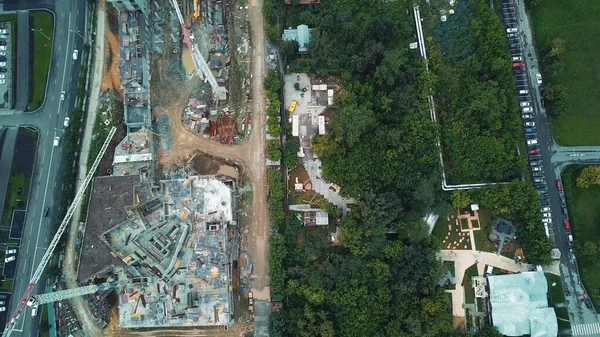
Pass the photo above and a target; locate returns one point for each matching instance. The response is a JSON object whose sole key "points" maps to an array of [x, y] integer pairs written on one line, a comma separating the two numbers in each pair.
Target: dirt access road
{"points": [[250, 155]]}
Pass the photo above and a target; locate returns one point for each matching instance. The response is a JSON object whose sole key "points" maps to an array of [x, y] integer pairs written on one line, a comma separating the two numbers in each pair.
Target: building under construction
{"points": [[174, 244]]}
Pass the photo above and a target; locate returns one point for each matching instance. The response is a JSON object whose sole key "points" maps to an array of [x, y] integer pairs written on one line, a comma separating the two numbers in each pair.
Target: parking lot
{"points": [[6, 61]]}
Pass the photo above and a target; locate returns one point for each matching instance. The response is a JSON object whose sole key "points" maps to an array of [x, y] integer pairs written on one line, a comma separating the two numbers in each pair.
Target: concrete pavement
{"points": [[463, 259]]}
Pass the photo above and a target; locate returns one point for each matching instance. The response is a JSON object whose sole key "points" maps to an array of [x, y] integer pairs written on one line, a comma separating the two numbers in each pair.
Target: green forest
{"points": [[382, 279], [475, 96]]}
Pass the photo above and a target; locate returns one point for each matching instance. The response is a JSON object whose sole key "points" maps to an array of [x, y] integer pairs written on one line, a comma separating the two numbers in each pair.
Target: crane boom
{"points": [[70, 293], [61, 229], [219, 92]]}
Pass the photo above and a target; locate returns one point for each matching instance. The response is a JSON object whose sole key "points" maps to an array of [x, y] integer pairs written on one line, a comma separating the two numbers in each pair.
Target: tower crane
{"points": [[219, 93], [28, 295]]}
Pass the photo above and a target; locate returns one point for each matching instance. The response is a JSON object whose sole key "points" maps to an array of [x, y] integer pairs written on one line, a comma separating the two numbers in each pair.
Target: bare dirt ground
{"points": [[111, 79]]}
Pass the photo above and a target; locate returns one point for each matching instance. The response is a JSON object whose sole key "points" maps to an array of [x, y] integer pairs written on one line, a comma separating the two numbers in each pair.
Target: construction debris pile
{"points": [[219, 125]]}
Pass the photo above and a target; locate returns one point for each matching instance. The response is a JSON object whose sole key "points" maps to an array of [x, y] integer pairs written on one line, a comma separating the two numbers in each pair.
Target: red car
{"points": [[559, 185], [567, 224], [518, 65], [534, 151]]}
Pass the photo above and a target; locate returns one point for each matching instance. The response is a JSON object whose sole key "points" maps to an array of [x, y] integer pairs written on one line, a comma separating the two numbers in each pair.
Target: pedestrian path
{"points": [[590, 329]]}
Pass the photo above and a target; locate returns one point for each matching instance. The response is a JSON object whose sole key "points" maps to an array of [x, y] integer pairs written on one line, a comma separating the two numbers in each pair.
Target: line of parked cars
{"points": [[527, 112], [10, 255], [3, 48]]}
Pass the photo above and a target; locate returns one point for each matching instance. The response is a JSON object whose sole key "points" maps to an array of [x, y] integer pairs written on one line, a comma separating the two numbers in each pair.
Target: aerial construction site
{"points": [[167, 242]]}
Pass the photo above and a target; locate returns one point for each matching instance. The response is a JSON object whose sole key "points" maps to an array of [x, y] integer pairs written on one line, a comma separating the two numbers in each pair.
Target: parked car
{"points": [[75, 54], [34, 310], [517, 58], [66, 122], [559, 185], [511, 35], [588, 303], [2, 58], [536, 169], [547, 220], [534, 151], [526, 109], [532, 142], [56, 140], [545, 202], [546, 215], [538, 180], [567, 224], [524, 103], [530, 130], [529, 124], [538, 174], [545, 209], [2, 43], [11, 251], [2, 309], [538, 78], [3, 70], [9, 259], [523, 92], [62, 96], [518, 64], [535, 163], [570, 240], [511, 30], [527, 116]]}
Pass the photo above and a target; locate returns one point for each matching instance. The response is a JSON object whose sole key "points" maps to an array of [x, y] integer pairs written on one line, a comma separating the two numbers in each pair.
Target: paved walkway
{"points": [[463, 259]]}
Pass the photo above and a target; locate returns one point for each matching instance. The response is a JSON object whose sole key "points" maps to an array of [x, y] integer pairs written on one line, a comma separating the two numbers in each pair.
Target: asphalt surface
{"points": [[584, 321], [48, 120]]}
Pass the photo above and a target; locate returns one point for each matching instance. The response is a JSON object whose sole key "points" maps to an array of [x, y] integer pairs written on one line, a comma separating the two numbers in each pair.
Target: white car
{"points": [[2, 309], [517, 59], [2, 76], [511, 30], [547, 220], [524, 104], [538, 78], [527, 109], [2, 53], [11, 251], [66, 123], [2, 81], [2, 64], [75, 54], [34, 310], [545, 209], [523, 92], [527, 116], [546, 215], [529, 123], [2, 47], [56, 140], [9, 259], [536, 169], [62, 96], [532, 142]]}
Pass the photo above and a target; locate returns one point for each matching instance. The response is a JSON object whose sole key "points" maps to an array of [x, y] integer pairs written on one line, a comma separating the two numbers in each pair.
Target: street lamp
{"points": [[78, 33], [40, 31]]}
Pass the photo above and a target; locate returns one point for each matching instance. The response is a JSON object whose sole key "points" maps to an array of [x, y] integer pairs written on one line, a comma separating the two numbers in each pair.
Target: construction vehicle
{"points": [[196, 10], [293, 107], [219, 93], [28, 296]]}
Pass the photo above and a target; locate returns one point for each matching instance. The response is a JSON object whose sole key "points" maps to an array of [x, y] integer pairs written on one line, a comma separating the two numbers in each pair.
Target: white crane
{"points": [[27, 296], [219, 93]]}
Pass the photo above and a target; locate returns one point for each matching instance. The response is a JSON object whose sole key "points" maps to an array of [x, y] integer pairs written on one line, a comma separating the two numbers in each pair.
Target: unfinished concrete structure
{"points": [[130, 5], [174, 245]]}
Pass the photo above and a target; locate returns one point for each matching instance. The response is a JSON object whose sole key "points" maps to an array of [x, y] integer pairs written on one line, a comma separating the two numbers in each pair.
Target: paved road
{"points": [[554, 158], [48, 120]]}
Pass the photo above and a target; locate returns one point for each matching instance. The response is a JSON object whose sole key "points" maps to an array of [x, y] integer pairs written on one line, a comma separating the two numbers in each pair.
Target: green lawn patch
{"points": [[449, 265], [468, 284], [562, 315], [482, 243], [43, 37], [575, 22], [6, 285], [556, 292], [584, 212], [450, 236], [16, 195]]}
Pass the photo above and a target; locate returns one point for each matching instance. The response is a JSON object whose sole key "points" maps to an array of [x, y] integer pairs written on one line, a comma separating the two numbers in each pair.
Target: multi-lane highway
{"points": [[70, 25]]}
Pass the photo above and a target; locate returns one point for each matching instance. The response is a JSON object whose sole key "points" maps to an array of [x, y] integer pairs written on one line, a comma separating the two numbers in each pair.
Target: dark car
{"points": [[46, 212], [588, 303], [3, 58], [2, 70], [538, 174], [2, 43], [545, 202]]}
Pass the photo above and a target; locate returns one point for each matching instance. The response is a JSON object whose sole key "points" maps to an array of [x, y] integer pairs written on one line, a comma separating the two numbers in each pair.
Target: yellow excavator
{"points": [[196, 11]]}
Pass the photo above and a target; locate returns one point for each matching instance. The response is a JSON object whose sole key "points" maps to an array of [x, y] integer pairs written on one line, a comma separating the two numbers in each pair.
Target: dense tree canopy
{"points": [[475, 97]]}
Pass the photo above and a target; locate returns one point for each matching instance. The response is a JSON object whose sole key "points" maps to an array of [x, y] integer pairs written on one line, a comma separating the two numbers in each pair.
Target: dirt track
{"points": [[250, 155]]}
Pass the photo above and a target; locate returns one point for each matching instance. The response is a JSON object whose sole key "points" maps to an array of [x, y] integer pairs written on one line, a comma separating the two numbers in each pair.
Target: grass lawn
{"points": [[485, 221], [584, 213], [576, 22], [562, 315], [441, 232], [43, 36], [44, 332], [468, 284], [6, 285], [13, 197], [556, 293]]}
